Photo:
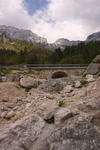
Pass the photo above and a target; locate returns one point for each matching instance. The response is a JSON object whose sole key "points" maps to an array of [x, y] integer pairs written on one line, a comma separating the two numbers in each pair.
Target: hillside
{"points": [[18, 51], [28, 35]]}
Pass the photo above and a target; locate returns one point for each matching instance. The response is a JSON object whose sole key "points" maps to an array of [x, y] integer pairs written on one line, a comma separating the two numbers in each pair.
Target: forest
{"points": [[82, 53]]}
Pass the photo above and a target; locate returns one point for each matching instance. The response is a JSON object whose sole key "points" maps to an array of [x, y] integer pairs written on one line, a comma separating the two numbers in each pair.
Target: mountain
{"points": [[18, 45], [93, 37], [20, 34], [28, 35]]}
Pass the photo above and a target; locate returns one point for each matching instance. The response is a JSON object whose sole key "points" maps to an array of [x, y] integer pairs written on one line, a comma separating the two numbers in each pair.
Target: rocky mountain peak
{"points": [[21, 34], [61, 41], [28, 35], [94, 37]]}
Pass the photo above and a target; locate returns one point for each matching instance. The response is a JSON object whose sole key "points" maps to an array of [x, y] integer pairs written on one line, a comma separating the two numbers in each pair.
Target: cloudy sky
{"points": [[53, 19]]}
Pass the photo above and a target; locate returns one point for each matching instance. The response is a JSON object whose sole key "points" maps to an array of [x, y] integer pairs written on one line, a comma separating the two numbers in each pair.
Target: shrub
{"points": [[61, 103], [50, 120]]}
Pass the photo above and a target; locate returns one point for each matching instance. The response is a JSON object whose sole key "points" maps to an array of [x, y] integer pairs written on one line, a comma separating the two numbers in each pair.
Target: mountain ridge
{"points": [[28, 35]]}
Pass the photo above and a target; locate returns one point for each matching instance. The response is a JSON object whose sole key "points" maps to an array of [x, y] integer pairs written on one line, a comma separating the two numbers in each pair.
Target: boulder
{"points": [[50, 113], [68, 89], [10, 78], [90, 78], [29, 83], [22, 134], [89, 104], [93, 68], [78, 84], [91, 107], [96, 59], [10, 114], [75, 133], [3, 114], [62, 115], [51, 85]]}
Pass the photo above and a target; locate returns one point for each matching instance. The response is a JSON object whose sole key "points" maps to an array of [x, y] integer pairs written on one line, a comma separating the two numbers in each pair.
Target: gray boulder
{"points": [[74, 134], [50, 113], [90, 78], [78, 84], [29, 83], [10, 78], [22, 134], [89, 104], [51, 85], [94, 67], [62, 115], [91, 107], [68, 89], [96, 59]]}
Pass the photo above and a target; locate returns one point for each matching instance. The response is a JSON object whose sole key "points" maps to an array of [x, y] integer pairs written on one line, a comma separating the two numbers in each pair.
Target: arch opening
{"points": [[59, 74]]}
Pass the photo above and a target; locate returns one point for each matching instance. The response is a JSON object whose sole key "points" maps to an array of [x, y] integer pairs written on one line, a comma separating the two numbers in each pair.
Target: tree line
{"points": [[75, 54], [83, 53]]}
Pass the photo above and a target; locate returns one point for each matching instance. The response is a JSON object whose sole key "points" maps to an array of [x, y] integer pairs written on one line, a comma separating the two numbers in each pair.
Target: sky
{"points": [[53, 19]]}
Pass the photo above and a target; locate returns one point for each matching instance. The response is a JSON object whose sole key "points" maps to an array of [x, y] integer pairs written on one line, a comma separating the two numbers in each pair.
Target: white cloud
{"points": [[71, 19]]}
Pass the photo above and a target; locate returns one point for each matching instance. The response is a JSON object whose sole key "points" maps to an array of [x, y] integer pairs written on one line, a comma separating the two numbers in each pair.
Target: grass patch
{"points": [[4, 71], [61, 103], [84, 83], [68, 95], [30, 71], [17, 87], [50, 120], [0, 79], [27, 89], [58, 92]]}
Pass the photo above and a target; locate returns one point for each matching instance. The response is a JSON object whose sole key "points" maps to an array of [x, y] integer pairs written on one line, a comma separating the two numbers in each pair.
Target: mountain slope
{"points": [[28, 35], [93, 37], [18, 45], [20, 34]]}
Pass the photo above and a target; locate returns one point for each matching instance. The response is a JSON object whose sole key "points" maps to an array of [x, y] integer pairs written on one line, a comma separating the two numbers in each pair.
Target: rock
{"points": [[3, 114], [10, 114], [22, 134], [49, 96], [4, 78], [78, 84], [93, 68], [49, 114], [95, 119], [51, 85], [10, 78], [68, 89], [91, 107], [29, 83], [5, 99], [90, 78], [96, 59], [28, 105], [89, 104], [74, 134], [62, 115]]}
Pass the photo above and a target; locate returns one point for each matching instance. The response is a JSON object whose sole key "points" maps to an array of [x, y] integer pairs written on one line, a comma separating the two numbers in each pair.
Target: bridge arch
{"points": [[59, 74]]}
